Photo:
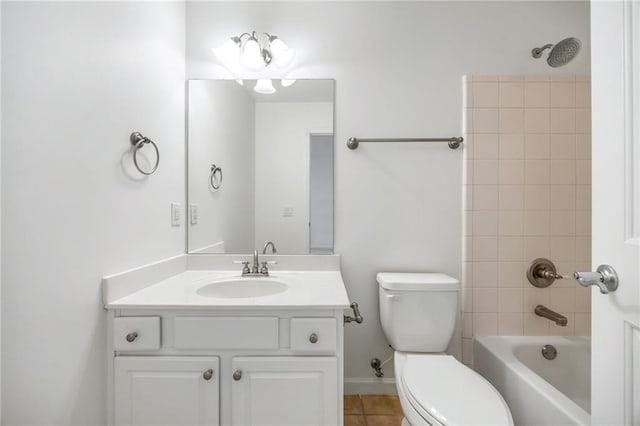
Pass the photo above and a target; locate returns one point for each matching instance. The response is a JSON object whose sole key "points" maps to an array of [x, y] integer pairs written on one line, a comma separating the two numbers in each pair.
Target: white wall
{"points": [[78, 78], [282, 170], [398, 68], [221, 131]]}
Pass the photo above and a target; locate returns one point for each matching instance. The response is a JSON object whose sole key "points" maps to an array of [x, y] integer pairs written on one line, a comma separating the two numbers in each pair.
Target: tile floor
{"points": [[372, 410]]}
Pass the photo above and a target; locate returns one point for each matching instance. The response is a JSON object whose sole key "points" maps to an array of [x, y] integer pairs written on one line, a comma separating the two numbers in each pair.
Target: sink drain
{"points": [[549, 352]]}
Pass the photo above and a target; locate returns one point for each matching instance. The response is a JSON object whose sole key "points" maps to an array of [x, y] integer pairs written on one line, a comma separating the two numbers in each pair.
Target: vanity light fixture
{"points": [[255, 52], [264, 86]]}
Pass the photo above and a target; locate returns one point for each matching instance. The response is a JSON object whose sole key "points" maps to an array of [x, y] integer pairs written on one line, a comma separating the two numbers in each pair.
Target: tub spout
{"points": [[543, 311]]}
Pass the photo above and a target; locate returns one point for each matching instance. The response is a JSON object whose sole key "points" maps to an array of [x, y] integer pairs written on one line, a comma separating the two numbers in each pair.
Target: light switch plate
{"points": [[193, 213], [175, 214]]}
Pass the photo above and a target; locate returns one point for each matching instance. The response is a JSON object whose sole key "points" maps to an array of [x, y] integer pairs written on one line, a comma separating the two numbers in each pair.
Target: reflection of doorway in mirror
{"points": [[320, 193]]}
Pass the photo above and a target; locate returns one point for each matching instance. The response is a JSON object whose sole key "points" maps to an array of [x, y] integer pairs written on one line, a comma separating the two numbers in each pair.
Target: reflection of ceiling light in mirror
{"points": [[287, 82], [255, 52], [264, 86]]}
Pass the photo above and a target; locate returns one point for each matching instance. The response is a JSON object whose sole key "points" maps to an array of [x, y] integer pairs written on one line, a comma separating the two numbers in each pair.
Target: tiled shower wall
{"points": [[527, 195]]}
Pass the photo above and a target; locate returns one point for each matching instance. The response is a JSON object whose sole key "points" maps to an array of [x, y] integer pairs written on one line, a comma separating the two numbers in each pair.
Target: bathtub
{"points": [[539, 391]]}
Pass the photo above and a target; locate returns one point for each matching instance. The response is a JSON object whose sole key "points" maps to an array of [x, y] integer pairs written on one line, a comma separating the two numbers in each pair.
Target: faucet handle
{"points": [[245, 268]]}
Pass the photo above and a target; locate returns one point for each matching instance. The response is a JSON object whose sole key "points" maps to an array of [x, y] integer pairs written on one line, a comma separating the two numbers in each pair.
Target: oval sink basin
{"points": [[242, 288]]}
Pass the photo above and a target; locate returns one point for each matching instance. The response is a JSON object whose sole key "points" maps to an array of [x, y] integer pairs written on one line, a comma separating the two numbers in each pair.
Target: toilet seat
{"points": [[445, 392]]}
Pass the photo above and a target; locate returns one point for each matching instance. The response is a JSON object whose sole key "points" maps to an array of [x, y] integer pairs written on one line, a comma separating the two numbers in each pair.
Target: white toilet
{"points": [[418, 313]]}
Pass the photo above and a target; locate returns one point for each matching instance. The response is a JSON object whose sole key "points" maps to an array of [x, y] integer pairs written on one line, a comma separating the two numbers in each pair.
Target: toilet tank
{"points": [[418, 311]]}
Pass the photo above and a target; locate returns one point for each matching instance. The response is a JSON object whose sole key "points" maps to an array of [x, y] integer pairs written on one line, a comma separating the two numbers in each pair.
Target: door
{"points": [[615, 39], [166, 391], [284, 391]]}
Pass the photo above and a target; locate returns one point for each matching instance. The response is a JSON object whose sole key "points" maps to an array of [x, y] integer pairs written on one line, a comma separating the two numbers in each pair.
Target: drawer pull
{"points": [[132, 336], [237, 375], [207, 375], [313, 338]]}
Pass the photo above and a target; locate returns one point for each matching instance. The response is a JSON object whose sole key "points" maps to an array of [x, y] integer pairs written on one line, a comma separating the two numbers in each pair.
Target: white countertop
{"points": [[307, 289]]}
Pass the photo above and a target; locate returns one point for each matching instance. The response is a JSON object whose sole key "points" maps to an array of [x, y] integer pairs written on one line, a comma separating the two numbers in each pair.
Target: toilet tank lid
{"points": [[424, 281]]}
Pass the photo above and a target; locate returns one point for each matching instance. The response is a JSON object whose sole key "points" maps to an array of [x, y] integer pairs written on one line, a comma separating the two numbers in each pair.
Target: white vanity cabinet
{"points": [[227, 367], [284, 391], [166, 390]]}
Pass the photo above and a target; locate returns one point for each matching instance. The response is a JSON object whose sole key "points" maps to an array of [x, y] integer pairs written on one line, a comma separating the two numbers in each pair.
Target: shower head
{"points": [[561, 53]]}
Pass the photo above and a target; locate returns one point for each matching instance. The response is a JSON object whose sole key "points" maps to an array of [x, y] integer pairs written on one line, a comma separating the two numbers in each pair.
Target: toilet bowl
{"points": [[418, 312]]}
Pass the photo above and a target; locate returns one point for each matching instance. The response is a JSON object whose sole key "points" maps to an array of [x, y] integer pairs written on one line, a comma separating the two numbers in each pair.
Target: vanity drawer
{"points": [[136, 333], [226, 333], [317, 335]]}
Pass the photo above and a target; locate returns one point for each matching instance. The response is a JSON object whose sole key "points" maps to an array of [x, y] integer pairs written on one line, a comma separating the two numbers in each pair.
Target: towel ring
{"points": [[215, 178], [138, 141]]}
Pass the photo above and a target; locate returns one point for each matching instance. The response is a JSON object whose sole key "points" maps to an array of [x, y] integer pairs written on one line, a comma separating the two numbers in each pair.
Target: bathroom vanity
{"points": [[197, 346]]}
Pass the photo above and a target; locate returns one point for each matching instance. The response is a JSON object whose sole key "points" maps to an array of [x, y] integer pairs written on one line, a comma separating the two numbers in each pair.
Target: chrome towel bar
{"points": [[454, 143]]}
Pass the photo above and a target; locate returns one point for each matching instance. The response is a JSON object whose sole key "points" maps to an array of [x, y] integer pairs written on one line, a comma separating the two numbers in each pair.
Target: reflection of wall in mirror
{"points": [[321, 194], [283, 131], [220, 133]]}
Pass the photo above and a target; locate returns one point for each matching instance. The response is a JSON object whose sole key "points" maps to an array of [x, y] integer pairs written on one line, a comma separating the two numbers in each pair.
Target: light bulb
{"points": [[228, 52], [264, 86], [251, 57], [282, 54], [287, 82]]}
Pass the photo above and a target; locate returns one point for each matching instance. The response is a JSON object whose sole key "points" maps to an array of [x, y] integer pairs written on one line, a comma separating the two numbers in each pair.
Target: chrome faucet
{"points": [[256, 270], [266, 246], [543, 311]]}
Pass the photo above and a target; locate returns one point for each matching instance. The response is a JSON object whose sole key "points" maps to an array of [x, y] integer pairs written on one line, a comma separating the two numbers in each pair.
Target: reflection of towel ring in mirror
{"points": [[215, 178], [138, 141]]}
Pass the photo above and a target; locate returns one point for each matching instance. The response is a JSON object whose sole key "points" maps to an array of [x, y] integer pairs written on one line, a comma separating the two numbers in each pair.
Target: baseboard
{"points": [[355, 386]]}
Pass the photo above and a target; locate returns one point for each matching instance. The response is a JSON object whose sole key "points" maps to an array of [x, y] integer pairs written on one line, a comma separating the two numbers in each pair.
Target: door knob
{"points": [[237, 375], [207, 375], [605, 278]]}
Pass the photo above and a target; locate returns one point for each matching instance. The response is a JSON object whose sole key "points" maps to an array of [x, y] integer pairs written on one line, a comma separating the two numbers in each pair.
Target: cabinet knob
{"points": [[313, 338], [132, 336], [207, 375], [237, 375]]}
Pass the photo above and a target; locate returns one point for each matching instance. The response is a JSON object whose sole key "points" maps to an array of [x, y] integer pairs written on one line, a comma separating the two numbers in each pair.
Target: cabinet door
{"points": [[281, 391], [166, 391]]}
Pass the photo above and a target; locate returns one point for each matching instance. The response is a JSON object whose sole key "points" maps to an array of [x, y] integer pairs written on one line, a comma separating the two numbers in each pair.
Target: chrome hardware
{"points": [[215, 178], [356, 315], [132, 336], [237, 375], [266, 246], [543, 311], [542, 273], [255, 271], [313, 338], [454, 143], [605, 278], [245, 268], [207, 375], [549, 352], [377, 366], [138, 141]]}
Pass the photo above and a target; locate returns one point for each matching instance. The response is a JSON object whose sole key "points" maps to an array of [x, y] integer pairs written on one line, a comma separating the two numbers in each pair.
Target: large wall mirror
{"points": [[260, 166]]}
